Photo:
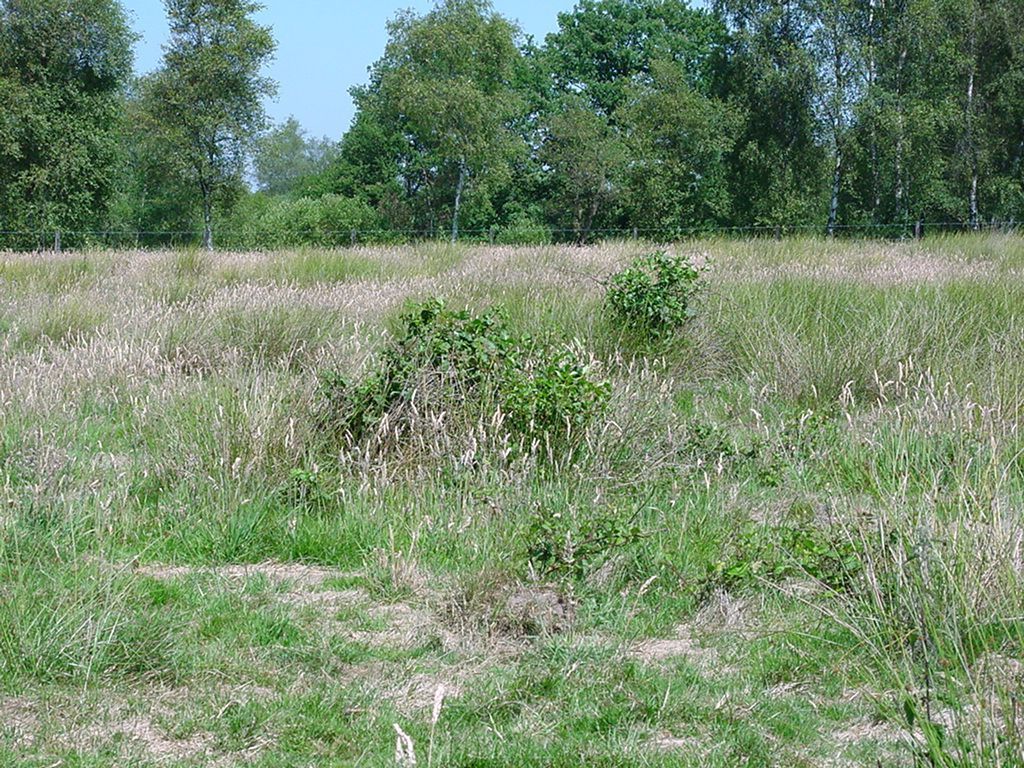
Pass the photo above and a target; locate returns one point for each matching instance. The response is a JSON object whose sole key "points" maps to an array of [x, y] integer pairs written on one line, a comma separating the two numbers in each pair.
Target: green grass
{"points": [[791, 536]]}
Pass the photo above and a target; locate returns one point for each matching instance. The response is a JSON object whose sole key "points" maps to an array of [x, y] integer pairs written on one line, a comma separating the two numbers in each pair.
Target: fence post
{"points": [[635, 233], [56, 241], [352, 238], [490, 235]]}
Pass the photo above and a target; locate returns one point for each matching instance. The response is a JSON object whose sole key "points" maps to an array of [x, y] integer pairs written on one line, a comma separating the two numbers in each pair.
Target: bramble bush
{"points": [[653, 294], [470, 358]]}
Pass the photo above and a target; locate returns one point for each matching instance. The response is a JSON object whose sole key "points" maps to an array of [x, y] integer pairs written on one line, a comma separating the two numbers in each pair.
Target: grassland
{"points": [[794, 538]]}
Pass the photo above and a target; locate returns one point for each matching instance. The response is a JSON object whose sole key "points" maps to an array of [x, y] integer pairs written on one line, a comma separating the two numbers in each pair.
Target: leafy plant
{"points": [[552, 392], [653, 294], [561, 544], [794, 549], [471, 357]]}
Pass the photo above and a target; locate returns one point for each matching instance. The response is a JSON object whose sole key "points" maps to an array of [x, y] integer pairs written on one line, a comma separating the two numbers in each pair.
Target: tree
{"points": [[154, 199], [678, 141], [371, 163], [206, 102], [603, 46], [286, 156], [445, 85], [777, 166], [989, 45], [64, 65], [644, 70], [1003, 123], [834, 45], [585, 158]]}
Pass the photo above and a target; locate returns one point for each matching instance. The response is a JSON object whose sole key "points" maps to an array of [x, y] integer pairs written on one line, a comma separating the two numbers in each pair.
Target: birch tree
{"points": [[206, 101], [446, 82]]}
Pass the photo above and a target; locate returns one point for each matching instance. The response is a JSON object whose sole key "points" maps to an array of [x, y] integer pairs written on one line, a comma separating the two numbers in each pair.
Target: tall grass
{"points": [[837, 432]]}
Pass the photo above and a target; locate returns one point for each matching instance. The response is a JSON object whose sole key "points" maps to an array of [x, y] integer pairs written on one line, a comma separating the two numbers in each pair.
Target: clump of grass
{"points": [[191, 264], [68, 322], [310, 267], [937, 613], [83, 625], [275, 335], [53, 277], [262, 337]]}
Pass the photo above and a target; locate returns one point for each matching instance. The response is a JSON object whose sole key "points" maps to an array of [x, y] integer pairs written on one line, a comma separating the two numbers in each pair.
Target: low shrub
{"points": [[576, 546], [523, 230], [457, 358], [653, 294]]}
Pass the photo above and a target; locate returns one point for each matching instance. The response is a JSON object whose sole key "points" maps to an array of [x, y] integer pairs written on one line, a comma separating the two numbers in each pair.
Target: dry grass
{"points": [[664, 593]]}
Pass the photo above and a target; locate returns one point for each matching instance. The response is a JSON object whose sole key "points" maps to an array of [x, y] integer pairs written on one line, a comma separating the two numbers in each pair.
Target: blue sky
{"points": [[324, 48]]}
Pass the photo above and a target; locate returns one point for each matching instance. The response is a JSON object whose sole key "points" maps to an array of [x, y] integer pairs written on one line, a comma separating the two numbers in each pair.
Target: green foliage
{"points": [[679, 139], [654, 293], [793, 549], [206, 102], [585, 157], [259, 221], [523, 230], [541, 391], [286, 155], [603, 46], [63, 67], [634, 114], [445, 85], [779, 170], [551, 391], [560, 543]]}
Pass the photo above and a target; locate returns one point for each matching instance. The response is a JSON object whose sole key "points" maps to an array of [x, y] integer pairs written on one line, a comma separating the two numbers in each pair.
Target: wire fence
{"points": [[53, 240]]}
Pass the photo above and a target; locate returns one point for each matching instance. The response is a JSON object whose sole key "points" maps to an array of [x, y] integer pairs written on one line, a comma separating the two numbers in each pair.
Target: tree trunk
{"points": [[972, 197], [975, 221], [833, 208], [577, 221], [876, 200], [589, 224], [837, 130], [207, 222], [902, 209], [458, 201], [972, 146]]}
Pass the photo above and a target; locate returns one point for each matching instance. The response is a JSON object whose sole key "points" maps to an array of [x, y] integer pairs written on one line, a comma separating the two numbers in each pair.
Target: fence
{"points": [[228, 240]]}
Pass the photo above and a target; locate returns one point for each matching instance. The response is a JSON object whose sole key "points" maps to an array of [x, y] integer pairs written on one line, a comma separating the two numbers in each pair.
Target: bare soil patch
{"points": [[19, 720], [295, 574], [682, 646]]}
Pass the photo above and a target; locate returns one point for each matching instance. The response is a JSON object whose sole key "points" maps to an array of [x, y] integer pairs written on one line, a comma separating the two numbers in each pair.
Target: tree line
{"points": [[651, 116]]}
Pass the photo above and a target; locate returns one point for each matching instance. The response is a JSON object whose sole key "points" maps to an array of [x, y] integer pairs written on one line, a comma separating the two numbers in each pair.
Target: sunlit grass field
{"points": [[793, 537]]}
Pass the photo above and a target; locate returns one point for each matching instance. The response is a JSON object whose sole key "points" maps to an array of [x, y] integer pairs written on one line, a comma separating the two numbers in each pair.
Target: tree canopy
{"points": [[877, 116], [206, 101], [64, 66]]}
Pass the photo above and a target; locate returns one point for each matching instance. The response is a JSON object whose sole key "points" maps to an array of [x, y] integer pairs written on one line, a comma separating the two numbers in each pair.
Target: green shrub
{"points": [[552, 392], [262, 222], [524, 231], [653, 294], [559, 543], [472, 358], [793, 549]]}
